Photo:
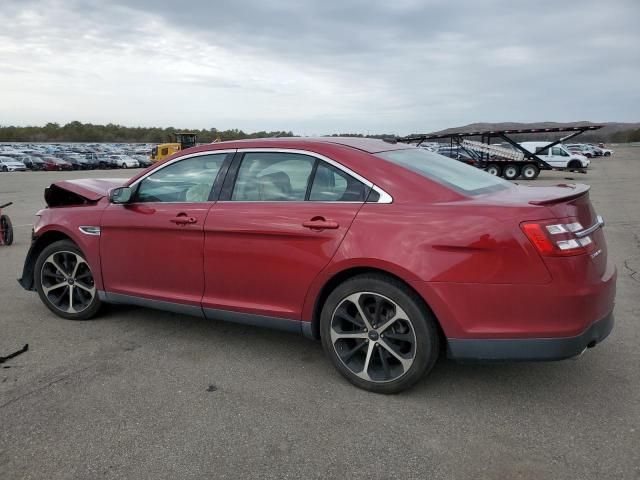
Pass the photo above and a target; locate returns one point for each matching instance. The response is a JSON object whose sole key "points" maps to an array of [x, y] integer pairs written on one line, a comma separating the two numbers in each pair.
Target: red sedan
{"points": [[386, 252]]}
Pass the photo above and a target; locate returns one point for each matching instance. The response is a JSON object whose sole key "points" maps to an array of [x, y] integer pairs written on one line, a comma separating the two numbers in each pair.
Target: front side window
{"points": [[458, 176], [273, 177], [189, 180], [558, 151], [333, 185]]}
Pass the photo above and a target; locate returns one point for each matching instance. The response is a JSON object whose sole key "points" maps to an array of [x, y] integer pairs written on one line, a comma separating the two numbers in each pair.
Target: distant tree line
{"points": [[88, 132]]}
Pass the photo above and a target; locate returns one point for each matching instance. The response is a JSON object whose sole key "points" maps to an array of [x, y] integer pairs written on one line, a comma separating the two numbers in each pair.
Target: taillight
{"points": [[558, 239]]}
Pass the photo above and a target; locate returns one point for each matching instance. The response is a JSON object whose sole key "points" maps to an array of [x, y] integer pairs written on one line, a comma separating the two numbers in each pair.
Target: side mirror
{"points": [[120, 195]]}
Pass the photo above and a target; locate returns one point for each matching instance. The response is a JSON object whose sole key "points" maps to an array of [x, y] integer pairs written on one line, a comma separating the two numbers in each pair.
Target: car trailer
{"points": [[496, 159]]}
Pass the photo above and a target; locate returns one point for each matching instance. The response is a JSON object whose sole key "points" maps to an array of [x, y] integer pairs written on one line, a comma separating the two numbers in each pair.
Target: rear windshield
{"points": [[456, 175]]}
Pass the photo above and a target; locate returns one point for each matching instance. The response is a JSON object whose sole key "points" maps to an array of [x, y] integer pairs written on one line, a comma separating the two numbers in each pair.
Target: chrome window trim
{"points": [[175, 160], [384, 196]]}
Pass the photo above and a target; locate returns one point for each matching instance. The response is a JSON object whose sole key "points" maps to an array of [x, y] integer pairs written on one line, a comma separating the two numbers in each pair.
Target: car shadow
{"points": [[303, 356]]}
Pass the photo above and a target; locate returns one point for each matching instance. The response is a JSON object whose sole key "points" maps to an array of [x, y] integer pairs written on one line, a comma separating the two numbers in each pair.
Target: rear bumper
{"points": [[530, 349]]}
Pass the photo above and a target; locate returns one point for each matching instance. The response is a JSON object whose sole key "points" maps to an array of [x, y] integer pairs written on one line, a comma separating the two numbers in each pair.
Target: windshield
{"points": [[451, 173]]}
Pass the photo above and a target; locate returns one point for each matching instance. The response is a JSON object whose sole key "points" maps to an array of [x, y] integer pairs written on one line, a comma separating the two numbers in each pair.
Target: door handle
{"points": [[321, 224], [184, 220]]}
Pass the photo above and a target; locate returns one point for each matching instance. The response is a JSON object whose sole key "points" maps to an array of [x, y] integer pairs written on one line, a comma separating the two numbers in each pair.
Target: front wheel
{"points": [[65, 283], [6, 230], [511, 172], [378, 334]]}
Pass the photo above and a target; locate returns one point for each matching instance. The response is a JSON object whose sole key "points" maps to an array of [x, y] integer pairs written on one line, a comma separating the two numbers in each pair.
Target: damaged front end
{"points": [[56, 222]]}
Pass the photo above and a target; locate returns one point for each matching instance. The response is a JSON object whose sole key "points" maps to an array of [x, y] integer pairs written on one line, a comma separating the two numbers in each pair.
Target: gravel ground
{"points": [[144, 394]]}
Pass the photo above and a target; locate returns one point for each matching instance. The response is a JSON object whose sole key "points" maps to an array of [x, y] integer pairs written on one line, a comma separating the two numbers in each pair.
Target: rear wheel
{"points": [[65, 282], [607, 154], [511, 172], [124, 165], [6, 230], [530, 171], [378, 334], [494, 169]]}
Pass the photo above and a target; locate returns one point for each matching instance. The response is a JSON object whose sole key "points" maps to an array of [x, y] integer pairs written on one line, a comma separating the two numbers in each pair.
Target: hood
{"points": [[80, 192]]}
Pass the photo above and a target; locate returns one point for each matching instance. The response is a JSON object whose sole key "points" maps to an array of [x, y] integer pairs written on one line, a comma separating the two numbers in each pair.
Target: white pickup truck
{"points": [[557, 156]]}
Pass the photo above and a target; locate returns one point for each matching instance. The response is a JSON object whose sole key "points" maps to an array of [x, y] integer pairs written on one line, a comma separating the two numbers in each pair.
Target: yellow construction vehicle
{"points": [[182, 140]]}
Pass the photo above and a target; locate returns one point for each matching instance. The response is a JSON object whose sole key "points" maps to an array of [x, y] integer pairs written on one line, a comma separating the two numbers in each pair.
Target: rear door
{"points": [[153, 246], [279, 221]]}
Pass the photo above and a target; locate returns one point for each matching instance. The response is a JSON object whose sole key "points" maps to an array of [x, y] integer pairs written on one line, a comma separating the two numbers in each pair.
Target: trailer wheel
{"points": [[6, 230], [530, 171], [511, 172], [494, 169]]}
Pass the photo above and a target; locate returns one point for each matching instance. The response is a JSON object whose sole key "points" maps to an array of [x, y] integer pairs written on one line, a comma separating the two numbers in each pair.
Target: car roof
{"points": [[369, 145]]}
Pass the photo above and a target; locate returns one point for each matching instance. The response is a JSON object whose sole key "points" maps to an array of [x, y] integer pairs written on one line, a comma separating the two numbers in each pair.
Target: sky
{"points": [[391, 66]]}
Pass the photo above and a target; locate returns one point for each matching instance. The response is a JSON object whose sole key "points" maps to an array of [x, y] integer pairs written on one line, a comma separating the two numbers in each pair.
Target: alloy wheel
{"points": [[373, 337], [67, 282]]}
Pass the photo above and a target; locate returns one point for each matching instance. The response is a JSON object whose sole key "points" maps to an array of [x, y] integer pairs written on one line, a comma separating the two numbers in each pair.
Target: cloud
{"points": [[319, 67]]}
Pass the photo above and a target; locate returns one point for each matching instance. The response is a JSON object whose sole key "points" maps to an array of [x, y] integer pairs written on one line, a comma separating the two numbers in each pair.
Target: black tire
{"points": [[124, 165], [5, 169], [390, 298], [511, 171], [574, 164], [607, 154], [494, 169], [64, 252], [6, 229], [530, 171]]}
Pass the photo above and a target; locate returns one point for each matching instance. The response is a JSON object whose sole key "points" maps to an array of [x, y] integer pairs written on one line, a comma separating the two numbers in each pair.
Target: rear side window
{"points": [[333, 185], [451, 173], [273, 177]]}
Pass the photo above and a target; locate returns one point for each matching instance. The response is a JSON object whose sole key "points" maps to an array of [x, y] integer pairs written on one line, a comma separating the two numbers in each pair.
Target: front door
{"points": [[153, 247], [278, 227]]}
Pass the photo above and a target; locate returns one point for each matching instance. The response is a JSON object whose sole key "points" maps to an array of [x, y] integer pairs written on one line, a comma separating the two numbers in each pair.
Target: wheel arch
{"points": [[342, 276], [39, 244]]}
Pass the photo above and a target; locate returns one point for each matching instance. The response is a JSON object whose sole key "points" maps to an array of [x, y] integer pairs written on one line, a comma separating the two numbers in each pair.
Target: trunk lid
{"points": [[561, 204]]}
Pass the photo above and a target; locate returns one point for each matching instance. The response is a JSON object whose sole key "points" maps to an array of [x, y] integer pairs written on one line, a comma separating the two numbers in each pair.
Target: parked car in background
{"points": [[8, 164], [55, 163], [77, 160], [388, 253], [32, 162], [456, 153], [557, 156], [143, 160], [124, 161]]}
